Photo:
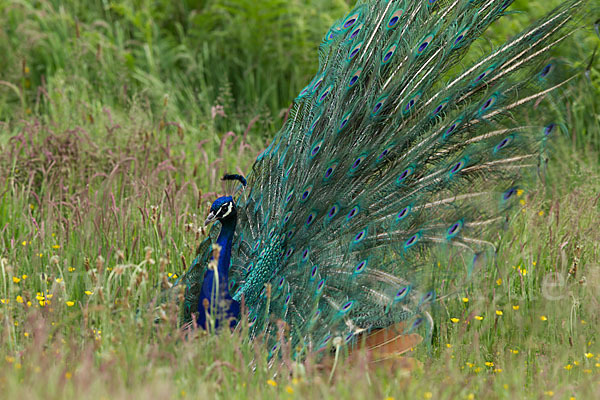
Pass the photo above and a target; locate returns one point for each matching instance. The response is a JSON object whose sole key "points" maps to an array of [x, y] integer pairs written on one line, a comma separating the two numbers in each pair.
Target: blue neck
{"points": [[226, 307], [225, 240]]}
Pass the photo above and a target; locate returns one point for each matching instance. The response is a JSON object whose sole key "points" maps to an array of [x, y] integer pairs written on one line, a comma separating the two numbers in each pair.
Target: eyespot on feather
{"points": [[379, 103], [394, 18], [350, 20], [424, 44]]}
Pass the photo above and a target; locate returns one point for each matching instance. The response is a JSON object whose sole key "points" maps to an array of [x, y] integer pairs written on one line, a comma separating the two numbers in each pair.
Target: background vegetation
{"points": [[116, 120]]}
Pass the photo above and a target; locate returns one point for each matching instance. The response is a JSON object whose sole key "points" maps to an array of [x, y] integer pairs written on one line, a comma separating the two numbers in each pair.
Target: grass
{"points": [[117, 119]]}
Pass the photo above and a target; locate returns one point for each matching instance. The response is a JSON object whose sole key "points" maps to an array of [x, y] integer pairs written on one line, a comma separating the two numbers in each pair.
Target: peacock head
{"points": [[223, 209]]}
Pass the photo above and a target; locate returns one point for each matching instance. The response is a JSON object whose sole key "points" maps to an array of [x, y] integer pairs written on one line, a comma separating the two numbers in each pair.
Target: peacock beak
{"points": [[210, 218]]}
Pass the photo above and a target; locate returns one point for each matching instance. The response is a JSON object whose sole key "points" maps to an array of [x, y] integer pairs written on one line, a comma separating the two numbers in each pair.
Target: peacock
{"points": [[402, 151]]}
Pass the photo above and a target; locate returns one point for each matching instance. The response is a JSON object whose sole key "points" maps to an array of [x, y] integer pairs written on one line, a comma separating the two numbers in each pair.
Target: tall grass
{"points": [[117, 118], [124, 48]]}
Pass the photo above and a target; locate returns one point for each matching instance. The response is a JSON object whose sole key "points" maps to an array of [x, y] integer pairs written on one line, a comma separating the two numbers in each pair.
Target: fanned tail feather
{"points": [[394, 152]]}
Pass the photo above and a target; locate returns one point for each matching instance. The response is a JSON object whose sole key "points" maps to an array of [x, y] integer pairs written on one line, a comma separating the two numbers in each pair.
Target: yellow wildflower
{"points": [[478, 317], [58, 280], [4, 301], [515, 307], [549, 393], [448, 345], [541, 213], [544, 318], [454, 320], [88, 292], [56, 246], [534, 263], [568, 367], [28, 303], [589, 355], [499, 281], [520, 192], [489, 364], [428, 395], [271, 382], [26, 334], [68, 375], [290, 390], [515, 351], [465, 299], [24, 242], [24, 277], [19, 299], [470, 365], [498, 370], [16, 280], [499, 312], [9, 359], [70, 303]]}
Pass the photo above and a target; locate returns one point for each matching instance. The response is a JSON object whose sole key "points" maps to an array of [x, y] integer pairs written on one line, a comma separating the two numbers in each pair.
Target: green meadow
{"points": [[117, 120]]}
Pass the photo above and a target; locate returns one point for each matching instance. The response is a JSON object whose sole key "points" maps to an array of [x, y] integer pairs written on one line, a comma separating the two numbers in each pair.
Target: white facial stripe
{"points": [[229, 209]]}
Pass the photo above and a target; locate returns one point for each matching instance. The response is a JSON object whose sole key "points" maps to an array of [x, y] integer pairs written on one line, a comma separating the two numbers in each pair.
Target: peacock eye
{"points": [[349, 22], [509, 193], [355, 32], [548, 129], [546, 70]]}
